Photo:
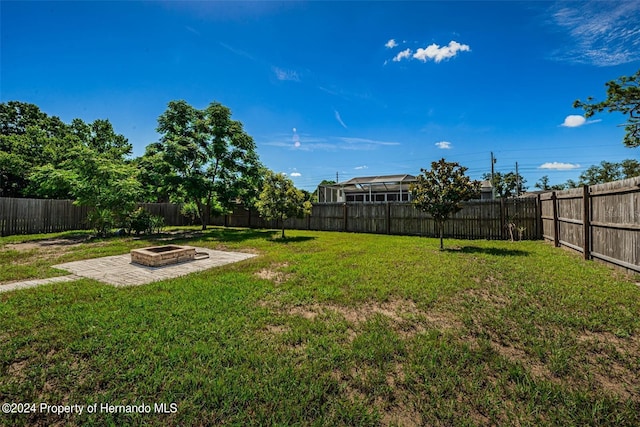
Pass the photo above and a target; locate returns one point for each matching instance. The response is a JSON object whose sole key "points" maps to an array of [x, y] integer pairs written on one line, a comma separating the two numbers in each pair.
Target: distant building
{"points": [[387, 188]]}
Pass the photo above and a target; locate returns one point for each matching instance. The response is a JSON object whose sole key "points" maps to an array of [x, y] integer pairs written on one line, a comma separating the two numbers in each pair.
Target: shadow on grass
{"points": [[489, 251]]}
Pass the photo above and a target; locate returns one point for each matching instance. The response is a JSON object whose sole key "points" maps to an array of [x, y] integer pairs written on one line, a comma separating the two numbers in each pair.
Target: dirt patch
{"points": [[16, 369], [406, 318], [486, 295], [274, 274], [39, 244], [612, 362]]}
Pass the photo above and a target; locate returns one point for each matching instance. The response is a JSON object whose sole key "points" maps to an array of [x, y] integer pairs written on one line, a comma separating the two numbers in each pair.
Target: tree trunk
{"points": [[441, 227], [282, 221], [201, 212]]}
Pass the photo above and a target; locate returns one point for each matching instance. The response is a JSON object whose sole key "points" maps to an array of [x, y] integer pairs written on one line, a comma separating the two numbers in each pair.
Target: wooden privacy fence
{"points": [[477, 220], [601, 221], [30, 216]]}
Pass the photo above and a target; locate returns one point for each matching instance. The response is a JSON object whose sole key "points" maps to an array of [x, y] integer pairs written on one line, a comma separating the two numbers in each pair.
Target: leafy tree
{"points": [[543, 184], [630, 168], [280, 199], [28, 138], [508, 184], [623, 95], [610, 171], [440, 191], [108, 186], [212, 160]]}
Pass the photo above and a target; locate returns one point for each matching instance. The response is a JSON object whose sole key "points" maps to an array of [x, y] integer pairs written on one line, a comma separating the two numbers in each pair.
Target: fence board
{"points": [[601, 221]]}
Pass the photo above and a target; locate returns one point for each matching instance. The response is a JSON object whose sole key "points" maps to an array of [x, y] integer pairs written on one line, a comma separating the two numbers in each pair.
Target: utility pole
{"points": [[493, 187], [337, 180]]}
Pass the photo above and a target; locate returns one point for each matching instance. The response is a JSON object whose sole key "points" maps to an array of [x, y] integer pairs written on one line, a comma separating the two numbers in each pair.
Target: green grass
{"points": [[327, 329]]}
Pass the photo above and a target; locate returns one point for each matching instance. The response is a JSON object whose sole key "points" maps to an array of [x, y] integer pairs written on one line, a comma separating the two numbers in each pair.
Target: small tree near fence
{"points": [[280, 199], [441, 190]]}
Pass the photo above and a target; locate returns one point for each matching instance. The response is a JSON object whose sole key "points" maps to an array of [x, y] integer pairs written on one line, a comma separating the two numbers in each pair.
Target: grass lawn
{"points": [[325, 329]]}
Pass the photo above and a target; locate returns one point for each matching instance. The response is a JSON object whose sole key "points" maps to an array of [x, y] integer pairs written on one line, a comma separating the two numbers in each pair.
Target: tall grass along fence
{"points": [[601, 221]]}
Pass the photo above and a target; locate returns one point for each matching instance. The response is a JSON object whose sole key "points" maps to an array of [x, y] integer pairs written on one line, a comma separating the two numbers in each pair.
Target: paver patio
{"points": [[119, 271]]}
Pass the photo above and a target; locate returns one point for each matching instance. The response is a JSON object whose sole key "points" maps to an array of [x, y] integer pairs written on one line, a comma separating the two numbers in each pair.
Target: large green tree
{"points": [[441, 190], [212, 160], [28, 138], [610, 171], [623, 95], [280, 199], [508, 184]]}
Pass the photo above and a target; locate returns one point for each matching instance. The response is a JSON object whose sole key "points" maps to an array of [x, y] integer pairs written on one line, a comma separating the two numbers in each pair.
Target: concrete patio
{"points": [[119, 271]]}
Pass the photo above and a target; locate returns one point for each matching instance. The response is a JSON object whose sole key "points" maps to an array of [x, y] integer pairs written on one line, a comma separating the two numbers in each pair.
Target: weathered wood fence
{"points": [[601, 221], [477, 220], [30, 216]]}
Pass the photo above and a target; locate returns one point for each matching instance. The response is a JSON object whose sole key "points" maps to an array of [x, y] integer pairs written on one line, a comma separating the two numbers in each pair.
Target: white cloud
{"points": [[573, 121], [361, 167], [391, 44], [402, 55], [559, 166], [443, 145], [295, 174], [286, 75], [339, 119], [437, 53]]}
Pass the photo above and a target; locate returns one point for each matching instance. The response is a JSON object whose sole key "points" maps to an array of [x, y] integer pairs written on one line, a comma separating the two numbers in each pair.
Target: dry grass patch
{"points": [[274, 274], [406, 318]]}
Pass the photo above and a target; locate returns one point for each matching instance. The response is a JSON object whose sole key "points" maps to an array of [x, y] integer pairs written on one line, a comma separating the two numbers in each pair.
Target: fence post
{"points": [[539, 223], [586, 222], [344, 213], [502, 219], [388, 218], [556, 224]]}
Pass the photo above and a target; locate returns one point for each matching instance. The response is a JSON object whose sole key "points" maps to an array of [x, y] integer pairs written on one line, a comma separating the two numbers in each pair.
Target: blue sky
{"points": [[357, 88]]}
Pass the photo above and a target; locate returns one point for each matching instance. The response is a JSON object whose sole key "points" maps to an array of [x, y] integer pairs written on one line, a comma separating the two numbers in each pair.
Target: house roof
{"points": [[384, 179], [385, 183]]}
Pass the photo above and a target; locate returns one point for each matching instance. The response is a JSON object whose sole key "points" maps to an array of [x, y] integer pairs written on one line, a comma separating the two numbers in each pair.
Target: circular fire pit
{"points": [[156, 256]]}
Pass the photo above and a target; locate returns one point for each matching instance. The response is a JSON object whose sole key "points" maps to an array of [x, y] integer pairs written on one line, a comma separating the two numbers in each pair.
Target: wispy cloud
{"points": [[332, 143], [402, 55], [286, 75], [559, 166], [356, 141], [339, 119], [391, 44], [192, 30], [361, 167], [574, 121], [602, 33], [295, 174], [237, 51], [443, 145], [439, 53]]}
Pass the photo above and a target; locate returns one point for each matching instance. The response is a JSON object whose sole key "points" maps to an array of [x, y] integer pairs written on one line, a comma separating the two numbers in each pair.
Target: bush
{"points": [[101, 220], [139, 221], [190, 211]]}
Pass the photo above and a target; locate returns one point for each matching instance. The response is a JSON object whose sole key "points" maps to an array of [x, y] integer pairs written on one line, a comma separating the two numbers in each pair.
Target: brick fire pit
{"points": [[157, 256]]}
